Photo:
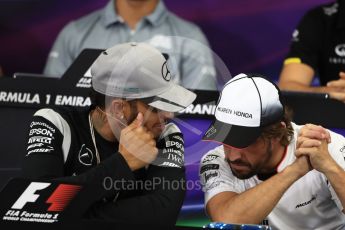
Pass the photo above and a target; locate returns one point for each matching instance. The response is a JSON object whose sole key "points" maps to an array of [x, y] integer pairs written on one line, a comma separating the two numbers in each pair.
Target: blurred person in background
{"points": [[318, 49], [138, 21]]}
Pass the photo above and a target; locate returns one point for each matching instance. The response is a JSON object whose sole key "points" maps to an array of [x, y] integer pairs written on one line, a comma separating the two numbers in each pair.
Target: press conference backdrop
{"points": [[248, 35]]}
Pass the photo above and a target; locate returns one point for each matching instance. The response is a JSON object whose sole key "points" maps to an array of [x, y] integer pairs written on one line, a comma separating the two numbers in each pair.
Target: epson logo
{"points": [[174, 143], [40, 131], [59, 199]]}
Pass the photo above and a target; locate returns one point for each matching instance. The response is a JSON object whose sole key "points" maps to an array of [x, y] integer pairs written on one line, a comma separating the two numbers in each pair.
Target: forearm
{"points": [[253, 205], [297, 86], [115, 167]]}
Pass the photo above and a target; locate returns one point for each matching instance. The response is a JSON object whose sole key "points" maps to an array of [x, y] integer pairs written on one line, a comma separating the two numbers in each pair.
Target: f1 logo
{"points": [[59, 199], [29, 194]]}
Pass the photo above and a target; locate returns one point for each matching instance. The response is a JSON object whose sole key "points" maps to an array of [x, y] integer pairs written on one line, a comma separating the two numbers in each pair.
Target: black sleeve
{"points": [[161, 202], [307, 40], [44, 159]]}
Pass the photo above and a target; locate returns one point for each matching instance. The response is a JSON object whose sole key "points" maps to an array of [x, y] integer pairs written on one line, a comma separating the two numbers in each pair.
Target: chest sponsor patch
{"points": [[210, 174], [306, 203], [209, 158], [208, 167]]}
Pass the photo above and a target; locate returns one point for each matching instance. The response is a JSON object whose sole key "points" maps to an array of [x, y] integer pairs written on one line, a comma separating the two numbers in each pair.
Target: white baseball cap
{"points": [[247, 104], [139, 71]]}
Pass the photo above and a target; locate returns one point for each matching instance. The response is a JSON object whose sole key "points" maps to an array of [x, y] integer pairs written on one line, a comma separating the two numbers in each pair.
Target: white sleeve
{"points": [[61, 124], [337, 150], [215, 175]]}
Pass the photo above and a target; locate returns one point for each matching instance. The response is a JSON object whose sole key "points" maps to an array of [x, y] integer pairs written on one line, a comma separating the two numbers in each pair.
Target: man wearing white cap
{"points": [[268, 169], [124, 137]]}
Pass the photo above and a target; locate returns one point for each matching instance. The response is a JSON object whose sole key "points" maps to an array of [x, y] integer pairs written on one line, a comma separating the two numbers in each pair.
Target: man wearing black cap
{"points": [[121, 140], [268, 169]]}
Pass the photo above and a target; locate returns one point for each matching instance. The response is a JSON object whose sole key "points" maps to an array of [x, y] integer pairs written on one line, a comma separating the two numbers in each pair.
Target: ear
{"points": [[277, 139], [116, 108]]}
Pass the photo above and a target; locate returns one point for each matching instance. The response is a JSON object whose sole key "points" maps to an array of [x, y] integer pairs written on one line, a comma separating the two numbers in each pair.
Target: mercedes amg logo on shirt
{"points": [[85, 156]]}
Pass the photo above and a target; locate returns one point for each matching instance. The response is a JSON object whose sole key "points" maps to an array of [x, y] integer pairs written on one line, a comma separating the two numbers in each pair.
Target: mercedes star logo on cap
{"points": [[165, 72]]}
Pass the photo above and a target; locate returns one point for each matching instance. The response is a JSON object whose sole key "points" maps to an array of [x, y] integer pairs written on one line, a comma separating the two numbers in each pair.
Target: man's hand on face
{"points": [[137, 144], [313, 142], [337, 88]]}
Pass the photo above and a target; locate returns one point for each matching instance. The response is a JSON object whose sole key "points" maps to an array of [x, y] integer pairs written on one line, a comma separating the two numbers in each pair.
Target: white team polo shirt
{"points": [[309, 203]]}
